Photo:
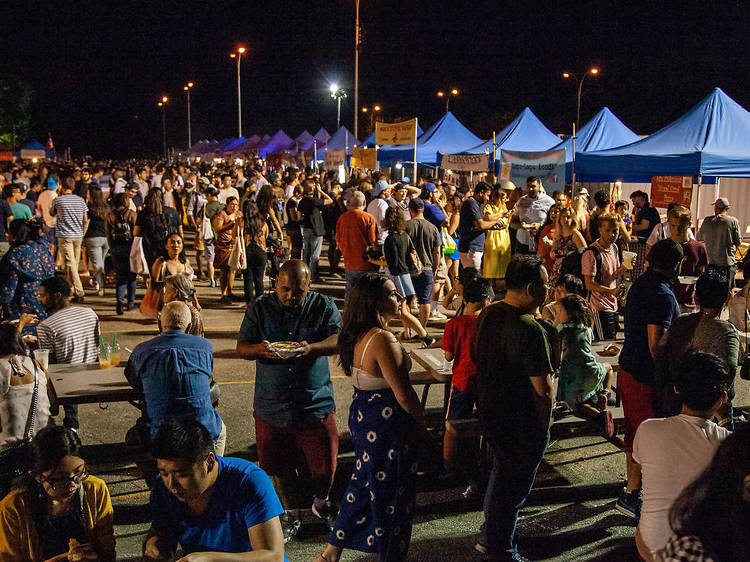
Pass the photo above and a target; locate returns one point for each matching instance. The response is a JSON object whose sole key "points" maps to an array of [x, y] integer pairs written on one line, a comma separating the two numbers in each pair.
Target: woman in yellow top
{"points": [[57, 512], [497, 241]]}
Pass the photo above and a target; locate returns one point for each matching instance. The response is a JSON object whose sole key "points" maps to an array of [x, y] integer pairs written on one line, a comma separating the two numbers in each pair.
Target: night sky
{"points": [[96, 65]]}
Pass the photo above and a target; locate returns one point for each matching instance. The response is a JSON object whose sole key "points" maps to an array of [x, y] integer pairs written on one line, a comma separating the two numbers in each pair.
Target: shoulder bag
{"points": [[13, 459]]}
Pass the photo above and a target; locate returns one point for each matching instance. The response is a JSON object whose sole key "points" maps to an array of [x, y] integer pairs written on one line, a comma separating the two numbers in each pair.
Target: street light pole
{"points": [[357, 37], [163, 105], [337, 93], [238, 56], [447, 95], [187, 88], [593, 71]]}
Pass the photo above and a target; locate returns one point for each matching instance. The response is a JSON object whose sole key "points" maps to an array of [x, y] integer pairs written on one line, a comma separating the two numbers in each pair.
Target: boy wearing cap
{"points": [[456, 345], [381, 195], [721, 234]]}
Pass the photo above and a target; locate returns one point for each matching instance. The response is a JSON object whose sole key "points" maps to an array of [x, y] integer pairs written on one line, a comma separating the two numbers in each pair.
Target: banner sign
{"points": [[396, 133], [466, 162], [548, 165], [668, 189], [365, 158], [334, 159]]}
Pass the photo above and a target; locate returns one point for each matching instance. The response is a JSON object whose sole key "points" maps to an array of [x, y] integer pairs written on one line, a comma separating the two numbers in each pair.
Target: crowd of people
{"points": [[530, 281]]}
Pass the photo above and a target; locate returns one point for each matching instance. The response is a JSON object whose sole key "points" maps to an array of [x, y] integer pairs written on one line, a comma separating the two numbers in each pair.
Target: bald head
{"points": [[293, 283]]}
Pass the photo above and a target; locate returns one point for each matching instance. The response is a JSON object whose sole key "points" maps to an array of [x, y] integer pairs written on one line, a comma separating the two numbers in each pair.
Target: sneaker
{"points": [[290, 526], [427, 341], [629, 503], [327, 512], [437, 315], [479, 547]]}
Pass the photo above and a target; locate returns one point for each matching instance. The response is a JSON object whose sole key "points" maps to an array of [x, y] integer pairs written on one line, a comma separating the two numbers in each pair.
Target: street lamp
{"points": [[187, 87], [375, 109], [447, 95], [163, 105], [238, 55], [338, 94], [593, 71]]}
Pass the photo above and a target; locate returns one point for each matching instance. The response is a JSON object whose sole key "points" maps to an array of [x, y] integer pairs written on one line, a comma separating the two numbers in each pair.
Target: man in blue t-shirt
{"points": [[472, 226], [206, 503], [433, 213]]}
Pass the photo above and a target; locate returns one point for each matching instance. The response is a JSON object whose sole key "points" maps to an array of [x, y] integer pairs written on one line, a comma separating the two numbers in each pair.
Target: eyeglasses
{"points": [[395, 293], [60, 484]]}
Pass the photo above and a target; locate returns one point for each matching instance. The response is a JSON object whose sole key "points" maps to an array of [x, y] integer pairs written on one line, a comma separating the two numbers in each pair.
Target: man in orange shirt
{"points": [[355, 233]]}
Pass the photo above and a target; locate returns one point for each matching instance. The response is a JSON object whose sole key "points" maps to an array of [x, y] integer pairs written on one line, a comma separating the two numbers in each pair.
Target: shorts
{"points": [[461, 404], [313, 448], [423, 284], [442, 271], [199, 245], [472, 259], [637, 404], [210, 249], [403, 284]]}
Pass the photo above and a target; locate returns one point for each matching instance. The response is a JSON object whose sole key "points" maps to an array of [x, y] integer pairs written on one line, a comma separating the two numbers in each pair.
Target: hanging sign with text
{"points": [[465, 162], [365, 158], [396, 133], [548, 165], [669, 189], [334, 159]]}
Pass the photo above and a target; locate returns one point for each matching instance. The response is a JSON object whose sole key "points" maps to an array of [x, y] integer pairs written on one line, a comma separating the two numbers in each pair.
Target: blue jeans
{"points": [[513, 472], [126, 279], [311, 247], [351, 278]]}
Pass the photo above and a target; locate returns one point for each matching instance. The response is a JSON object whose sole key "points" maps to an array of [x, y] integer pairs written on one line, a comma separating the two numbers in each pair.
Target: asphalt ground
{"points": [[569, 516]]}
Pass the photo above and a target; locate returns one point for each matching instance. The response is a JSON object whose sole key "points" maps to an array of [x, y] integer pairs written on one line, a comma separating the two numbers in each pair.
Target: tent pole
{"points": [[573, 165], [315, 152], [416, 128], [698, 201], [494, 175]]}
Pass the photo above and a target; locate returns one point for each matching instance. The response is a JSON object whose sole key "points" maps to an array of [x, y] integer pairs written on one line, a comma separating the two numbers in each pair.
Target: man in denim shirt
{"points": [[173, 372], [295, 426]]}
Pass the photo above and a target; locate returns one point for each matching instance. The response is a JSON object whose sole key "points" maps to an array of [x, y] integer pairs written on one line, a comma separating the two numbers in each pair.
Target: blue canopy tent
{"points": [[712, 139], [370, 141], [34, 149], [447, 136], [604, 131], [280, 142], [249, 145], [231, 144], [320, 140], [342, 140], [525, 133], [303, 137]]}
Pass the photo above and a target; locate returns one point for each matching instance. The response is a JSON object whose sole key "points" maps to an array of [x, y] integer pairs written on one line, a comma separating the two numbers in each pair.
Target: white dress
{"points": [[15, 401]]}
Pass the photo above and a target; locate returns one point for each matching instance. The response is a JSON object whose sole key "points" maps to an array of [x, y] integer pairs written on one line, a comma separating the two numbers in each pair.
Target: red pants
{"points": [[313, 448], [637, 404]]}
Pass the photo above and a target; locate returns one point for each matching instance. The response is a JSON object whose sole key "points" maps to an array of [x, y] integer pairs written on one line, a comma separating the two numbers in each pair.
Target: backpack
{"points": [[572, 264], [121, 231]]}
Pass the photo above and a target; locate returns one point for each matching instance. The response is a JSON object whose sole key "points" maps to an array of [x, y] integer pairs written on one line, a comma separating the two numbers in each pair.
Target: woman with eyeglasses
{"points": [[57, 512], [385, 420]]}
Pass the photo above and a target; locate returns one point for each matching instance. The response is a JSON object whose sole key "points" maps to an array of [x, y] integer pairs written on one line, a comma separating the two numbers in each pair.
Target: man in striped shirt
{"points": [[70, 333], [72, 221]]}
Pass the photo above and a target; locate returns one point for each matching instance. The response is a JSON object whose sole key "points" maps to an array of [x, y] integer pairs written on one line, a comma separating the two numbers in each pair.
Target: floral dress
{"points": [[22, 271], [561, 247]]}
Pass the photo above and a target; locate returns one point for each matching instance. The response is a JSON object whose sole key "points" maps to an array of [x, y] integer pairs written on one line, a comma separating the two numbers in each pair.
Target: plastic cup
{"points": [[627, 259], [104, 358], [42, 356]]}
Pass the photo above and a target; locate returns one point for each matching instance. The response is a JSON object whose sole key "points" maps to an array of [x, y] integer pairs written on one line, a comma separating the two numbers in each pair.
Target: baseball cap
{"points": [[428, 187], [722, 202], [379, 188], [583, 191], [51, 183], [416, 204], [204, 180]]}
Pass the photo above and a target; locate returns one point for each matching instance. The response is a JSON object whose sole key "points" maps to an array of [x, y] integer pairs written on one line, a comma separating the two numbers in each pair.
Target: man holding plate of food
{"points": [[289, 335]]}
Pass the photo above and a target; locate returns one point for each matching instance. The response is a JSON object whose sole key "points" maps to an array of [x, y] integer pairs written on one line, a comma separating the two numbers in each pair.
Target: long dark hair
{"points": [[264, 199], [361, 314], [578, 310], [154, 202], [97, 206], [713, 507], [23, 231], [11, 342], [253, 220], [46, 450], [181, 256]]}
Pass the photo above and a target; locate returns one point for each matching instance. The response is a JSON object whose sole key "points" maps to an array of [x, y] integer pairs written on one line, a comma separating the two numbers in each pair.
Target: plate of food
{"points": [[687, 279], [286, 349], [609, 351]]}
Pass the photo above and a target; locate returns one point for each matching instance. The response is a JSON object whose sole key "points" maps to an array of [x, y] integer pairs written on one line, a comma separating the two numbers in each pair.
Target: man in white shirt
{"points": [[120, 183], [661, 231], [141, 183], [227, 189], [381, 194], [673, 451], [529, 214]]}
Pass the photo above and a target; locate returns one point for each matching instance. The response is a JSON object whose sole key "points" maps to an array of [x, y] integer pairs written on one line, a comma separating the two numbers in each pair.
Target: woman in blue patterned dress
{"points": [[27, 263], [384, 420]]}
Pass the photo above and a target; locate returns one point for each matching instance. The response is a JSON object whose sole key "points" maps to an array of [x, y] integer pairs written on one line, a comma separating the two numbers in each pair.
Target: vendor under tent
{"points": [[447, 136], [342, 140], [280, 142], [711, 141]]}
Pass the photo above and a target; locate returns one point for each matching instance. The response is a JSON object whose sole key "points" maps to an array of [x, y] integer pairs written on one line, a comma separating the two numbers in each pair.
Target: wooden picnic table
{"points": [[432, 361]]}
